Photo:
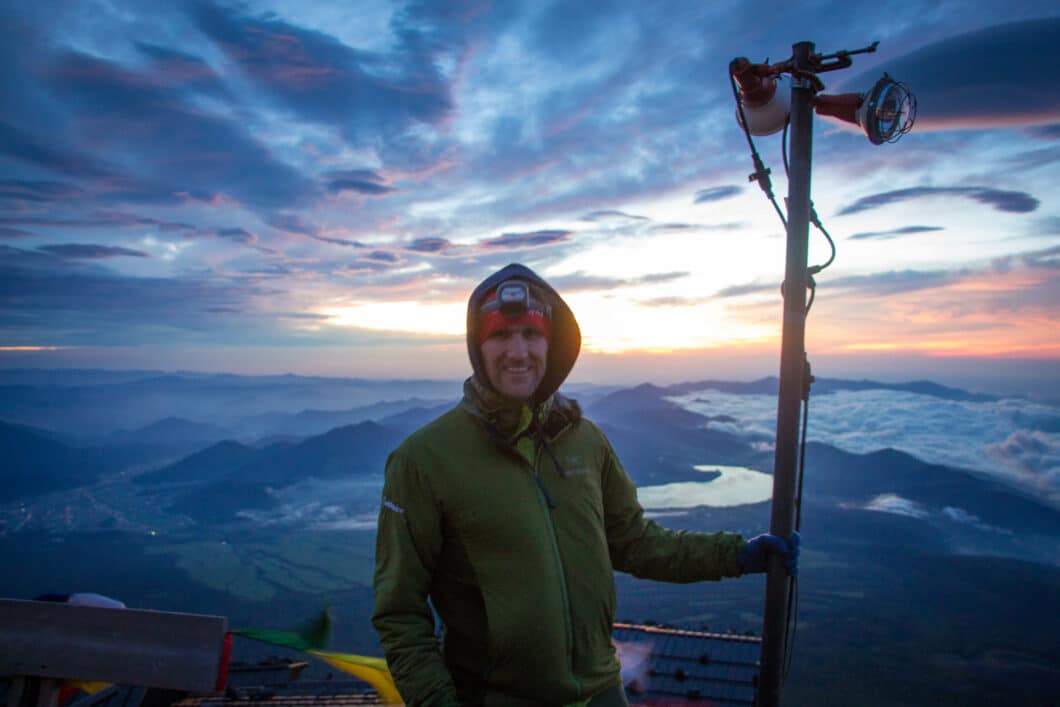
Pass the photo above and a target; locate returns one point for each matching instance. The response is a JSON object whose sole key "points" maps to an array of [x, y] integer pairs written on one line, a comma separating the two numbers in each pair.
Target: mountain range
{"points": [[921, 584]]}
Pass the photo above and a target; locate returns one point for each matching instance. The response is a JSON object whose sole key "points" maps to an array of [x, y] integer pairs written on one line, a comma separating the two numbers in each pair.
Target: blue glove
{"points": [[754, 555]]}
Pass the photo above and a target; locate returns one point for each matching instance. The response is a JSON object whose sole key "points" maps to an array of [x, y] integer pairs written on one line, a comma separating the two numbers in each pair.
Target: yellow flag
{"points": [[89, 686], [373, 671]]}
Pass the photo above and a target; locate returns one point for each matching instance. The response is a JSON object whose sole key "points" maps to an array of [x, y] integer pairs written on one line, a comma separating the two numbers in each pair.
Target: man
{"points": [[509, 513]]}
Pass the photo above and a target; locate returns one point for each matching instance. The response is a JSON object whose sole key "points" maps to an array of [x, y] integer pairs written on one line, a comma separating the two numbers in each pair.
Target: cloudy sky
{"points": [[315, 187]]}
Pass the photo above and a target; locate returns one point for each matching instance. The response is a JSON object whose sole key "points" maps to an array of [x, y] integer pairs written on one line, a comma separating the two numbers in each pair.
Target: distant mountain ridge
{"points": [[658, 440], [170, 430], [343, 451], [211, 464], [94, 404], [412, 419], [824, 386], [77, 404], [34, 463], [856, 479], [229, 477], [313, 422], [643, 405]]}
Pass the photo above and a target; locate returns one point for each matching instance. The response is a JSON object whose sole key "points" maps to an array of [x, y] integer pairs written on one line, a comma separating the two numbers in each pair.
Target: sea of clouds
{"points": [[1014, 439]]}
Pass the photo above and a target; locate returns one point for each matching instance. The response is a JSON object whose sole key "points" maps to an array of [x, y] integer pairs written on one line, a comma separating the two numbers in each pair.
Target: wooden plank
{"points": [[123, 646]]}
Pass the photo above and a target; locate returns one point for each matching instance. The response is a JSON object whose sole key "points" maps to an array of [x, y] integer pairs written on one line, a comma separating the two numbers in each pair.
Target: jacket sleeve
{"points": [[408, 543], [645, 549]]}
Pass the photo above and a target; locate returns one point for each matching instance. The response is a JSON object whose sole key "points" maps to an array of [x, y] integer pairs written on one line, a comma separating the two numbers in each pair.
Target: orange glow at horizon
{"points": [[945, 349], [609, 325], [33, 348], [999, 313], [617, 325], [992, 315], [444, 319]]}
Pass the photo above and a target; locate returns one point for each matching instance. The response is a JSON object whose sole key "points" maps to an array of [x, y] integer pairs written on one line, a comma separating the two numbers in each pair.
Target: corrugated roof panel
{"points": [[693, 665]]}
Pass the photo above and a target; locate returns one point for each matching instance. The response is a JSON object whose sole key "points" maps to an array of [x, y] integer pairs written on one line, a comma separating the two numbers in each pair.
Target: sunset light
{"points": [[613, 325], [33, 348], [408, 317], [610, 323], [323, 214]]}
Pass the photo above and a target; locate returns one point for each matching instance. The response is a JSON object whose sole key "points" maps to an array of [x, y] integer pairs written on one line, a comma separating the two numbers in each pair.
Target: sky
{"points": [[315, 187]]}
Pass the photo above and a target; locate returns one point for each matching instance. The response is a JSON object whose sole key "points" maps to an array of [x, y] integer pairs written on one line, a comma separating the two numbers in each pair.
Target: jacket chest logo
{"points": [[573, 465]]}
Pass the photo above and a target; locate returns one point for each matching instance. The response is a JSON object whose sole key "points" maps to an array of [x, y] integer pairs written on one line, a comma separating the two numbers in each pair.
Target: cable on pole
{"points": [[885, 113]]}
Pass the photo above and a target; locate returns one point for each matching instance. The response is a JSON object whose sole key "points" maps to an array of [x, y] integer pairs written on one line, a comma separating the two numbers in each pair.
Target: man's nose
{"points": [[517, 346]]}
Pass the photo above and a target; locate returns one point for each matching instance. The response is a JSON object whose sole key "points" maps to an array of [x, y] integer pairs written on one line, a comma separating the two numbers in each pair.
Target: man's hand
{"points": [[754, 555]]}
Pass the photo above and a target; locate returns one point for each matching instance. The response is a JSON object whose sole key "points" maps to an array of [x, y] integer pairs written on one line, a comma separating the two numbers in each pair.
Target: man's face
{"points": [[515, 358]]}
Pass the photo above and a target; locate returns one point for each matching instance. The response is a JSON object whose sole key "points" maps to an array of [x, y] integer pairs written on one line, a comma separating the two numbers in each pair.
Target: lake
{"points": [[737, 485]]}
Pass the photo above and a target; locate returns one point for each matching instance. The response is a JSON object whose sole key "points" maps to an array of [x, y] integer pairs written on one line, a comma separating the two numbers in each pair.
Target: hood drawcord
{"points": [[552, 455], [539, 442], [544, 491], [542, 441]]}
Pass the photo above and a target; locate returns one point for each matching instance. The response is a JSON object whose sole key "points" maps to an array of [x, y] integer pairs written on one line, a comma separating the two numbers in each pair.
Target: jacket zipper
{"points": [[548, 504], [543, 497]]}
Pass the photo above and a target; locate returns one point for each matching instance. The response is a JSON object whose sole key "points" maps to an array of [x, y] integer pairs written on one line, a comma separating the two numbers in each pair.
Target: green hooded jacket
{"points": [[510, 524]]}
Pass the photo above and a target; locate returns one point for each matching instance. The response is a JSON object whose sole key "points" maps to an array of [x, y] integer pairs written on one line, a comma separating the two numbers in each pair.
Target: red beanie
{"points": [[494, 319]]}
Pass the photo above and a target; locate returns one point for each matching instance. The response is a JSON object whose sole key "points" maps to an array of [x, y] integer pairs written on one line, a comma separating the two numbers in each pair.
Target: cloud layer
{"points": [[1014, 439]]}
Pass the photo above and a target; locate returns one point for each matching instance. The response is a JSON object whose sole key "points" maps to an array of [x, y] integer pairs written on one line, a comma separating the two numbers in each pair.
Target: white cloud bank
{"points": [[899, 505], [1014, 439]]}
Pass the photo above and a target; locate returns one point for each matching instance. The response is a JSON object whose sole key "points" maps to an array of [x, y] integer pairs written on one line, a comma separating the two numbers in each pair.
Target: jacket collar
{"points": [[551, 417]]}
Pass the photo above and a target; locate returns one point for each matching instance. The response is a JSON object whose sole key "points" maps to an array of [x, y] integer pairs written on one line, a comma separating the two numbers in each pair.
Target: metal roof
{"points": [[277, 683], [689, 667], [332, 693]]}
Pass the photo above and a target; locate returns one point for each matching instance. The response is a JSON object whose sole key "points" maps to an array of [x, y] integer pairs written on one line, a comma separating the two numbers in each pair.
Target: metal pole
{"points": [[782, 519]]}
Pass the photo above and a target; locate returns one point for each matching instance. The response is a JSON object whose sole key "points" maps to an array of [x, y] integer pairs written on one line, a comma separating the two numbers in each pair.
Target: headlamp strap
{"points": [[513, 299]]}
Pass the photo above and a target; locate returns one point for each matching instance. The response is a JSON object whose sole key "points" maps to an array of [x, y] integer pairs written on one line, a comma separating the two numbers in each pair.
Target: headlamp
{"points": [[514, 299]]}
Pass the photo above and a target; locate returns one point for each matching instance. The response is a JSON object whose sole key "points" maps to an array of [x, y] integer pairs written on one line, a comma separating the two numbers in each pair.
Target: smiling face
{"points": [[514, 358]]}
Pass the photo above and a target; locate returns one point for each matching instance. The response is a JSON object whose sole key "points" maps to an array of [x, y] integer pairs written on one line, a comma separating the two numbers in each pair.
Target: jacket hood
{"points": [[564, 343]]}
